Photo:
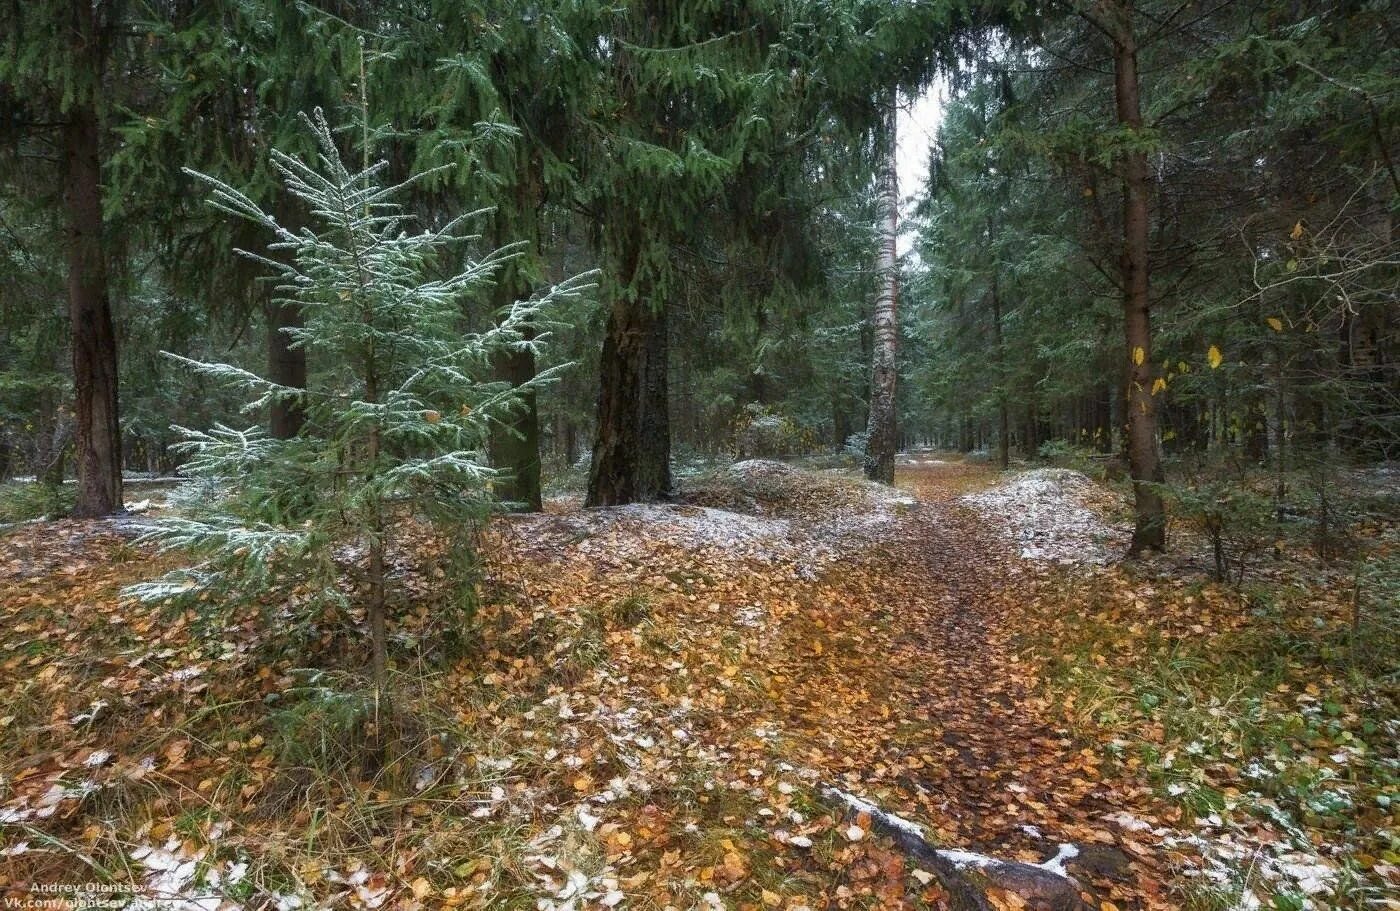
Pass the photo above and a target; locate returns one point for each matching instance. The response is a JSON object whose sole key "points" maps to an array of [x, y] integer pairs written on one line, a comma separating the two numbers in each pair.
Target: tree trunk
{"points": [[882, 441], [632, 449], [97, 436], [1003, 415], [570, 443], [1103, 420], [286, 366], [1144, 463], [515, 445]]}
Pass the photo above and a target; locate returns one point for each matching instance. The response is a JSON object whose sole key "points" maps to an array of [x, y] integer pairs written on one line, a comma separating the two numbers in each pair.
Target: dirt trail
{"points": [[945, 729]]}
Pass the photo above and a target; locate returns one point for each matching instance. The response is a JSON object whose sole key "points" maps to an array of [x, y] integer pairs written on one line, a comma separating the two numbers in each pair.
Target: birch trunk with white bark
{"points": [[882, 434]]}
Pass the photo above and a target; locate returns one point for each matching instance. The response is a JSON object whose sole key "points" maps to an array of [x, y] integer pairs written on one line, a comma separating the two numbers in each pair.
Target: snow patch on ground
{"points": [[1231, 860], [702, 526], [1044, 511], [760, 510]]}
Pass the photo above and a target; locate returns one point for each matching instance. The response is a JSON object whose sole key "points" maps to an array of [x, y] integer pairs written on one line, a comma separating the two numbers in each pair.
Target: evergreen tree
{"points": [[396, 432], [62, 66]]}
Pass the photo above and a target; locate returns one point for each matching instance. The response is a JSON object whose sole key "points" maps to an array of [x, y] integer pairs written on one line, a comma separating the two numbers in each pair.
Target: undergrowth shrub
{"points": [[21, 501], [1238, 523], [762, 432]]}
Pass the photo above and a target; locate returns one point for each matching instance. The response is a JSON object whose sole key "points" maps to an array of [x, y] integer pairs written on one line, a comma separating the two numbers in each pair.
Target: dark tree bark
{"points": [[286, 366], [515, 446], [632, 450], [632, 446], [570, 443], [1103, 420], [97, 436], [883, 439], [1003, 410], [1144, 462]]}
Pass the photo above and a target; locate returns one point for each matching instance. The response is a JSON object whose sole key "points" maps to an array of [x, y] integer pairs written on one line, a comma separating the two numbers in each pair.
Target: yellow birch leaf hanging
{"points": [[1139, 355], [1159, 385], [1297, 232], [1215, 357], [1276, 324]]}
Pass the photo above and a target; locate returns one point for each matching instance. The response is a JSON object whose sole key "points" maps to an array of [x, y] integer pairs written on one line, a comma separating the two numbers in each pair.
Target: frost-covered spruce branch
{"points": [[398, 410]]}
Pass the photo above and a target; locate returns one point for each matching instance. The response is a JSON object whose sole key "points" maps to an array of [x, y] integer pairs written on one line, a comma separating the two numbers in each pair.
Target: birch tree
{"points": [[882, 434]]}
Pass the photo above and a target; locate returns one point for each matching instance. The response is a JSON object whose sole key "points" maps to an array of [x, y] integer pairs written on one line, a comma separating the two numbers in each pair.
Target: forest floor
{"points": [[649, 703]]}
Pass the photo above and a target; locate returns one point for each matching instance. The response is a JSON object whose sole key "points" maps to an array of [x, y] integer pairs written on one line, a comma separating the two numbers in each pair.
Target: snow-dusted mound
{"points": [[1046, 513], [756, 509]]}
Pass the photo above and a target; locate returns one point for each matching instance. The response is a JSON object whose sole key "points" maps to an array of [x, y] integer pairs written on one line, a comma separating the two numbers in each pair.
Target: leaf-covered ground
{"points": [[644, 707]]}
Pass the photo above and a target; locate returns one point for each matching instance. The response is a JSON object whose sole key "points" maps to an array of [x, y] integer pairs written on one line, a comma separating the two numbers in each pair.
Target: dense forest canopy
{"points": [[374, 280], [1229, 168]]}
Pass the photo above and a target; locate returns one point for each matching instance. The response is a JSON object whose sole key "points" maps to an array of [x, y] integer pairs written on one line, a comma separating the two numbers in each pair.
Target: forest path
{"points": [[919, 702]]}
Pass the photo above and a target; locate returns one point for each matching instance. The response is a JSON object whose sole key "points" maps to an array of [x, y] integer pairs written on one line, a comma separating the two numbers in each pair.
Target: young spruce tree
{"points": [[397, 417]]}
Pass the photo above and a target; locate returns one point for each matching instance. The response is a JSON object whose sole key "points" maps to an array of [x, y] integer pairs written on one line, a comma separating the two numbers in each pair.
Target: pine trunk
{"points": [[1003, 413], [515, 447], [97, 436], [286, 366], [632, 449], [882, 441], [1144, 464]]}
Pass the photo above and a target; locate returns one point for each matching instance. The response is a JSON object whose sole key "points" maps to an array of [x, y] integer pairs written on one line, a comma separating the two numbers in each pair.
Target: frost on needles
{"points": [[398, 409]]}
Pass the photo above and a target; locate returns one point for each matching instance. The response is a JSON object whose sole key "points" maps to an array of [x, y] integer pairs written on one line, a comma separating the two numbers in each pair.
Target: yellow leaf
{"points": [[1158, 385], [1139, 355], [772, 899], [1215, 357], [1276, 323], [1297, 232], [421, 887]]}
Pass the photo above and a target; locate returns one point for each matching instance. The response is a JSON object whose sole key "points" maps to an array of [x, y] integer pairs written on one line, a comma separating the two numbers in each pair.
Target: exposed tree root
{"points": [[965, 875]]}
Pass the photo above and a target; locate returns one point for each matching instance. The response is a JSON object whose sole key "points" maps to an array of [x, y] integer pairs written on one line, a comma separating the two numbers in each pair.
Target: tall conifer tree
{"points": [[61, 66]]}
